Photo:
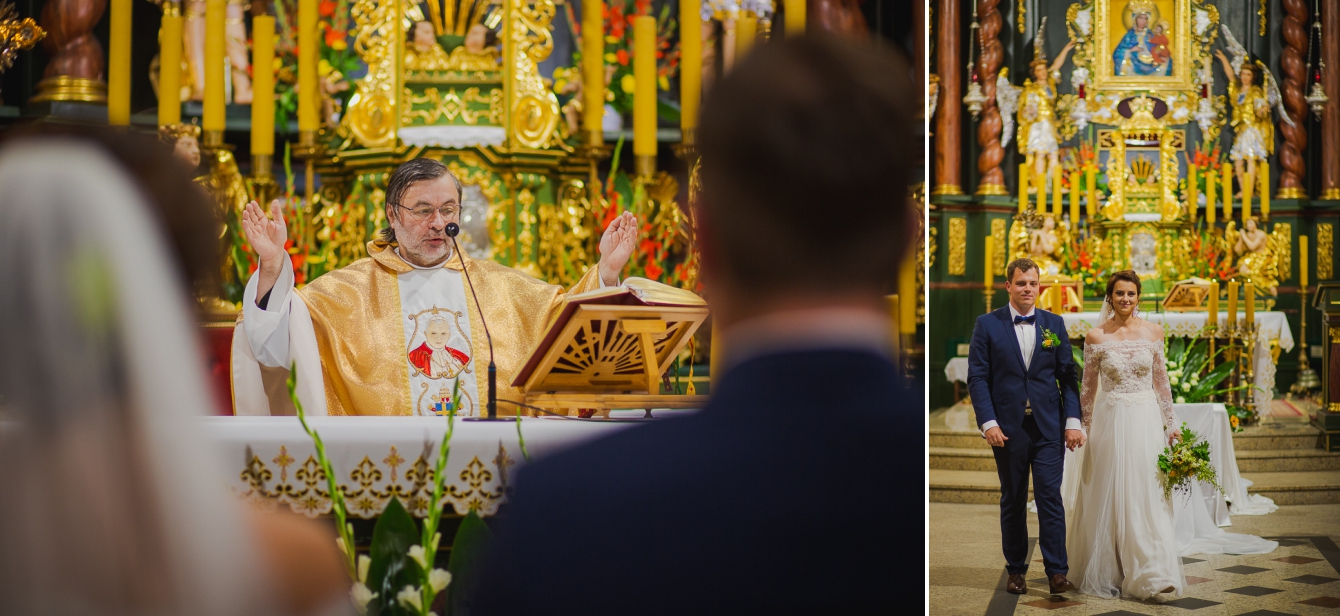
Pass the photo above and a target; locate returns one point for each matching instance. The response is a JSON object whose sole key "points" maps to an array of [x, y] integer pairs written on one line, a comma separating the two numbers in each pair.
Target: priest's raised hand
{"points": [[268, 237], [616, 246]]}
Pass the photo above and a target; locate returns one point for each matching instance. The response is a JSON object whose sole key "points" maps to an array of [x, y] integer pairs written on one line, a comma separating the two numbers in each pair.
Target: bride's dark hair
{"points": [[1128, 276]]}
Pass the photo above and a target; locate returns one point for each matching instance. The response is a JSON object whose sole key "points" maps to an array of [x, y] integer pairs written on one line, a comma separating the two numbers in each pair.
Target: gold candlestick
{"points": [[989, 295], [1307, 377]]}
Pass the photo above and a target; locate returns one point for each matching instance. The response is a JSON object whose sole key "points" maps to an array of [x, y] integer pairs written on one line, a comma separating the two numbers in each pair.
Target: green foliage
{"points": [[468, 549], [391, 568]]}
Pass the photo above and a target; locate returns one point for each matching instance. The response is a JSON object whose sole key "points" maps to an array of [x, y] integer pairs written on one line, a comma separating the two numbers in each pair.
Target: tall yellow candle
{"points": [[118, 64], [746, 32], [644, 94], [1264, 182], [308, 101], [1249, 303], [1247, 200], [1232, 318], [1041, 182], [1056, 192], [263, 85], [1091, 185], [1214, 303], [1302, 261], [988, 272], [1210, 207], [593, 69], [1226, 182], [1074, 199], [1191, 201], [169, 70], [690, 63], [1023, 187], [907, 296], [215, 41], [795, 17]]}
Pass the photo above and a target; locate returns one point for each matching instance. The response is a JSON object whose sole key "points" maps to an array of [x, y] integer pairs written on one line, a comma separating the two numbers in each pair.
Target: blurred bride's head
{"points": [[1123, 292]]}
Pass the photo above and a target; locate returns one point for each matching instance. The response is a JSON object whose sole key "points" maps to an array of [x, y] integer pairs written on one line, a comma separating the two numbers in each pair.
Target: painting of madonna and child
{"points": [[1142, 32]]}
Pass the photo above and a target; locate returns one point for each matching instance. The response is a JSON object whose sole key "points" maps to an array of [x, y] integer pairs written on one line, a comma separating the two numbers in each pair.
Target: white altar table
{"points": [[1272, 331], [273, 462]]}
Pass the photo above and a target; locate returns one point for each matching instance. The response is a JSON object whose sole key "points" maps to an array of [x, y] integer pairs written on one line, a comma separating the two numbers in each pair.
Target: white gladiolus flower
{"points": [[363, 563], [361, 596], [409, 598], [437, 540], [339, 541], [439, 579], [1173, 380], [1181, 399], [416, 553]]}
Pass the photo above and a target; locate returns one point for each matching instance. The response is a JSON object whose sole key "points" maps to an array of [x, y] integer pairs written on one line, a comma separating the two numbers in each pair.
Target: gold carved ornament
{"points": [[1325, 250], [452, 105], [378, 34], [933, 247], [470, 170], [533, 107], [958, 243]]}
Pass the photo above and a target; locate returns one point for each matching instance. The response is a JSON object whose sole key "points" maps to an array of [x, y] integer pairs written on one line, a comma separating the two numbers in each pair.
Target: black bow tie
{"points": [[1028, 319]]}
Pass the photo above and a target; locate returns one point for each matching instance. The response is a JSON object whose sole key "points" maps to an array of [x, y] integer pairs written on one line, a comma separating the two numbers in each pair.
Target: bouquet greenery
{"points": [[1186, 461], [1191, 383]]}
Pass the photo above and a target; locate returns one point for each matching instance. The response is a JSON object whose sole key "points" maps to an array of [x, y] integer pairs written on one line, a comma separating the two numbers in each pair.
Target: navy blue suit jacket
{"points": [[799, 489], [999, 385]]}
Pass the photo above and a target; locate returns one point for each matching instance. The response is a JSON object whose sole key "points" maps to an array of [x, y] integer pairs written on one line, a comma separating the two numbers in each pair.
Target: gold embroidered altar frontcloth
{"points": [[273, 463]]}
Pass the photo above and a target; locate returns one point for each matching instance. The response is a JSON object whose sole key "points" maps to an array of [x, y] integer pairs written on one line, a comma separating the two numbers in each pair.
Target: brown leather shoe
{"points": [[1015, 584], [1059, 584]]}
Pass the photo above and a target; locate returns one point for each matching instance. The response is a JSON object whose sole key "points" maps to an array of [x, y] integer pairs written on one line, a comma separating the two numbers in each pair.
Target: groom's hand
{"points": [[995, 437], [1074, 439]]}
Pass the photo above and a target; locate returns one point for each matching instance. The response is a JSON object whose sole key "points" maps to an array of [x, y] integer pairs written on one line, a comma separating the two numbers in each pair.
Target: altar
{"points": [[1272, 336], [272, 462]]}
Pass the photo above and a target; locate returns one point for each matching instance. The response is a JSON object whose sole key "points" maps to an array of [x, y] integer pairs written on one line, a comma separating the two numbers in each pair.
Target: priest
{"points": [[396, 333]]}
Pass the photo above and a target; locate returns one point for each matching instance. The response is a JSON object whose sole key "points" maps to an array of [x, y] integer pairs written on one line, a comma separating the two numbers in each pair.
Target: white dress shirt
{"points": [[1027, 334]]}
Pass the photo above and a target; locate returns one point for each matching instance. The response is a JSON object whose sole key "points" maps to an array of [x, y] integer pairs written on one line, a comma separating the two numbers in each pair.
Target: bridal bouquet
{"points": [[1184, 462]]}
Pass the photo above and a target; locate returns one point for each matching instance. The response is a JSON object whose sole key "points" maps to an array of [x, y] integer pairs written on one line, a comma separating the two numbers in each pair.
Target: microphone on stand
{"points": [[453, 230]]}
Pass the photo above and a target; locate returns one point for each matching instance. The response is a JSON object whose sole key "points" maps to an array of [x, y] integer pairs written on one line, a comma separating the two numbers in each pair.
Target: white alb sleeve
{"points": [[267, 328]]}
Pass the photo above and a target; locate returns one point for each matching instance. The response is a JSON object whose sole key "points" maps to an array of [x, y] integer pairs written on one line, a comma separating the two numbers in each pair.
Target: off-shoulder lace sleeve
{"points": [[1089, 384], [1162, 390]]}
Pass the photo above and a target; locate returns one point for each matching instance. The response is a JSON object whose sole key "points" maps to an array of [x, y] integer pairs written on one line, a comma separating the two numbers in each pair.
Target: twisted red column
{"points": [[1292, 166], [1330, 117], [992, 180], [949, 126]]}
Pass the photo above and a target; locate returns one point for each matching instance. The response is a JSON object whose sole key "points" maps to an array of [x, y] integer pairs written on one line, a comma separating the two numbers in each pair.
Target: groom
{"points": [[1021, 377]]}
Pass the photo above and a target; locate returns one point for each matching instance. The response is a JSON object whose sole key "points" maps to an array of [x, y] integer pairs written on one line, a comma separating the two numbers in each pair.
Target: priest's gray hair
{"points": [[114, 500], [408, 174]]}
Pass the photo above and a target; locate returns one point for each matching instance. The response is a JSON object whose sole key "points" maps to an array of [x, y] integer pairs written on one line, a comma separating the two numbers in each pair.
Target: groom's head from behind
{"points": [[1021, 282]]}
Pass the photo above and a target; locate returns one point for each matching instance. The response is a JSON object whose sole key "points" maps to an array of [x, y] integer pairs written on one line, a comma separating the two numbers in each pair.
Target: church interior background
{"points": [[493, 88]]}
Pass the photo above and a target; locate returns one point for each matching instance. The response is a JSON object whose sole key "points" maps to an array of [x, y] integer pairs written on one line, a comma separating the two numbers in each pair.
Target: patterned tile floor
{"points": [[1301, 577]]}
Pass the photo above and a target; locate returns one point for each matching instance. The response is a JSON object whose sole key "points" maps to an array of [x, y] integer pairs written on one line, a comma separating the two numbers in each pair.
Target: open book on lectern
{"points": [[613, 341]]}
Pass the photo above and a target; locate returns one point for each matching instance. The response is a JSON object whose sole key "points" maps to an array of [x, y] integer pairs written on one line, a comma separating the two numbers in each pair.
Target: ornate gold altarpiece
{"points": [[528, 194]]}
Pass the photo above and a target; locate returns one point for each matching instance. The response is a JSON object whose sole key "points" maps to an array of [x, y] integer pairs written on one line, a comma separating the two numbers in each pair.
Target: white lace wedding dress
{"points": [[1119, 527]]}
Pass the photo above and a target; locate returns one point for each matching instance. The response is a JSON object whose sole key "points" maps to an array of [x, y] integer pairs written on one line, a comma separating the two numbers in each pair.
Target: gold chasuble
{"points": [[361, 333]]}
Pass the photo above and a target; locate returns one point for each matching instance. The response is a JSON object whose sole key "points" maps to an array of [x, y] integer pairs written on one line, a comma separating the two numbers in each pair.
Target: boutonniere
{"points": [[1049, 339]]}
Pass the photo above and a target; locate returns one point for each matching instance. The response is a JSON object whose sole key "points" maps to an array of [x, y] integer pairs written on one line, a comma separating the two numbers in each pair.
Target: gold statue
{"points": [[223, 182], [1251, 121], [1258, 254], [423, 53], [1035, 105], [478, 53], [1037, 237], [185, 142]]}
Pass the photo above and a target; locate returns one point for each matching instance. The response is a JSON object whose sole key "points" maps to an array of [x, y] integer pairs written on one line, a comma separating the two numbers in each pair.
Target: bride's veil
{"points": [[113, 501]]}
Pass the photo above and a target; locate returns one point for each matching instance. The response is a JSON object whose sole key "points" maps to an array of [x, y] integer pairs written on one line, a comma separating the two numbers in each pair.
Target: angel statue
{"points": [[1035, 104], [1251, 122], [1258, 254]]}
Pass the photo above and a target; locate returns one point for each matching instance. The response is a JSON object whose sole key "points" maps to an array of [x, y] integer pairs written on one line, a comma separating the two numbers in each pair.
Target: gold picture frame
{"points": [[1110, 13]]}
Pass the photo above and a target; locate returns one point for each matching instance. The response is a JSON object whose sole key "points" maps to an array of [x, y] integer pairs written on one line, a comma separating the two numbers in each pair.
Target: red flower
{"points": [[654, 271], [622, 56], [326, 8], [333, 35]]}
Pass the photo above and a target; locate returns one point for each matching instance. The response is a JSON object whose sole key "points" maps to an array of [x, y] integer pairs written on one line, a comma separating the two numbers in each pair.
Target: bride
{"points": [[1121, 535]]}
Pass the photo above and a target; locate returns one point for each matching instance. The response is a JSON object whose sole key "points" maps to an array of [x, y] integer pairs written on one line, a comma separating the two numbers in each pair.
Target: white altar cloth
{"points": [[957, 370], [376, 458], [1271, 328]]}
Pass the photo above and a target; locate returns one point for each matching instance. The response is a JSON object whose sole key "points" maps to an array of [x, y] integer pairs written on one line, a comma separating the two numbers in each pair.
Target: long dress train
{"points": [[1121, 539]]}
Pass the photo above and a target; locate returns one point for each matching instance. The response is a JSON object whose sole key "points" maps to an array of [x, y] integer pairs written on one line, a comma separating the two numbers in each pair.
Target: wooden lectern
{"points": [[609, 348]]}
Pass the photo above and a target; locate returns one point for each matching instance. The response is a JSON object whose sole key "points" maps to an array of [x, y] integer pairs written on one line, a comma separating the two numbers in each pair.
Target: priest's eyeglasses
{"points": [[424, 213]]}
